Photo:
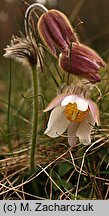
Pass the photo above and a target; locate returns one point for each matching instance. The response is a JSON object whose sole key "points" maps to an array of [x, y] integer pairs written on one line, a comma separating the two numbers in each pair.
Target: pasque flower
{"points": [[22, 50], [75, 58], [75, 114], [83, 62], [56, 31]]}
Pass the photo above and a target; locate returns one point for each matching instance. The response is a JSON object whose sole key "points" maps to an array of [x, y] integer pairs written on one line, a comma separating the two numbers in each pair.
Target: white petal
{"points": [[84, 129], [94, 110], [69, 99], [72, 138], [57, 123], [55, 102], [82, 104]]}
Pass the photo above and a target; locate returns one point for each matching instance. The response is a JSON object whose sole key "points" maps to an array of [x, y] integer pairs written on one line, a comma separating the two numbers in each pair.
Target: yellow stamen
{"points": [[73, 114]]}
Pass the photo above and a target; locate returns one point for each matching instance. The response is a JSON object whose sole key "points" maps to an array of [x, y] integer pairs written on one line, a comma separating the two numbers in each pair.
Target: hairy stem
{"points": [[8, 113], [29, 10], [35, 118]]}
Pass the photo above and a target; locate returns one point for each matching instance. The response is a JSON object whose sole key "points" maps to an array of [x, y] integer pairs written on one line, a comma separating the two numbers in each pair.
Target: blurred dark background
{"points": [[95, 16]]}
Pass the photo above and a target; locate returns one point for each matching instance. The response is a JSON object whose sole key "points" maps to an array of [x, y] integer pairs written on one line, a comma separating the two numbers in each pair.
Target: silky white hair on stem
{"points": [[29, 10]]}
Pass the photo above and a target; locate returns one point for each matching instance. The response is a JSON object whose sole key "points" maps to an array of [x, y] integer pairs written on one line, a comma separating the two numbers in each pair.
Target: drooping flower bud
{"points": [[83, 62], [56, 31]]}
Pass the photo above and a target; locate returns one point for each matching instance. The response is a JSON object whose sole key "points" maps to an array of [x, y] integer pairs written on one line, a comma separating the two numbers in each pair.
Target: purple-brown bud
{"points": [[82, 61], [56, 31]]}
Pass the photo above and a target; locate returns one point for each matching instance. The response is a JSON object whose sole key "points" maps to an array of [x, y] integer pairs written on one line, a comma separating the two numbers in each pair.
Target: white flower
{"points": [[74, 113]]}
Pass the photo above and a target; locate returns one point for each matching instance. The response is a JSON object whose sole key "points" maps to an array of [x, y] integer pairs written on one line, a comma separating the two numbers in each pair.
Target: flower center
{"points": [[73, 114]]}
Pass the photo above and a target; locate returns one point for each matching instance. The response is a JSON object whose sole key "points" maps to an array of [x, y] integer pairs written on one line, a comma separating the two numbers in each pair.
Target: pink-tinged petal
{"points": [[93, 55], [83, 62], [82, 104], [89, 53], [72, 138], [94, 110], [64, 25], [69, 99], [77, 65], [45, 35], [57, 123], [84, 129], [94, 64], [93, 77], [55, 102], [56, 31]]}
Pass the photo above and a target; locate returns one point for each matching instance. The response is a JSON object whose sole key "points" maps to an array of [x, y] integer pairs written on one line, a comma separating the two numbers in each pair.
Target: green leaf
{"points": [[62, 183], [65, 184], [58, 182], [64, 168]]}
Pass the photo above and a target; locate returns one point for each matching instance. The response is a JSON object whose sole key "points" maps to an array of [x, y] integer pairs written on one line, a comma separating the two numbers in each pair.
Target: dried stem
{"points": [[82, 164]]}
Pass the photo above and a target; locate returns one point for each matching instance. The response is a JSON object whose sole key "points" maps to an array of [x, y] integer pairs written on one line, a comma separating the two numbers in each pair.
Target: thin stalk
{"points": [[35, 119], [29, 10], [9, 103]]}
